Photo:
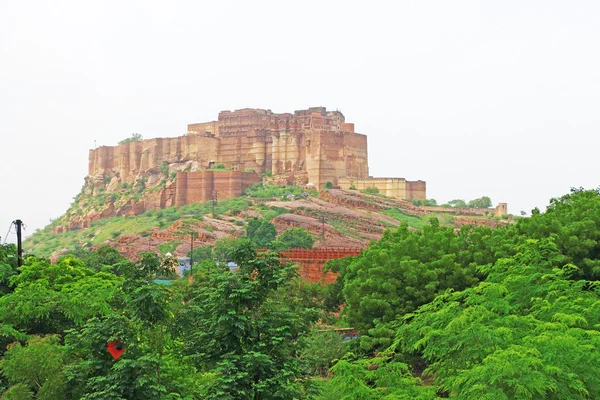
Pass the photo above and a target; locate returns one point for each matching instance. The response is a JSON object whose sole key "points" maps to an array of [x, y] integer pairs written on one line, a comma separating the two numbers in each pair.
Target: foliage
{"points": [[527, 331], [489, 314], [425, 202], [164, 168], [458, 203], [168, 247], [411, 220], [321, 349], [245, 324], [20, 391], [328, 185], [407, 269], [268, 191], [201, 253], [261, 232], [50, 298], [135, 137], [371, 190], [38, 366], [104, 256], [144, 322], [375, 378], [295, 238], [481, 202], [573, 221], [8, 266], [223, 249]]}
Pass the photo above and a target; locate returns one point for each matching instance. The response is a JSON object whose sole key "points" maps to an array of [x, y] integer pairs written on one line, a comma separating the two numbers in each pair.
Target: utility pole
{"points": [[322, 227], [192, 254], [215, 196], [18, 223]]}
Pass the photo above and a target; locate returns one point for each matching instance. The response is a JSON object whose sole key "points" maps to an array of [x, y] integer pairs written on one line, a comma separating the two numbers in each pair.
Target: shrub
{"points": [[136, 137], [371, 190], [164, 168]]}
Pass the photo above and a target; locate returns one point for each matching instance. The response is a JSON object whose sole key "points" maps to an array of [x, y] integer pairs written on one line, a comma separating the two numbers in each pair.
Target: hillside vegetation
{"points": [[336, 218]]}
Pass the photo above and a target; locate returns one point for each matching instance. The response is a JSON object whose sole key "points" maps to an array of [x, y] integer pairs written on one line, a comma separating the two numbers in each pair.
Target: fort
{"points": [[312, 146]]}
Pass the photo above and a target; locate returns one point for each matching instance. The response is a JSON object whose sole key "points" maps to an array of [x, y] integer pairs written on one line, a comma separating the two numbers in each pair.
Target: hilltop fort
{"points": [[306, 147]]}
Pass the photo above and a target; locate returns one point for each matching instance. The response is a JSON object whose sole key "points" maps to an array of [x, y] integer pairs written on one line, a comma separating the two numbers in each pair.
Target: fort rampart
{"points": [[398, 188]]}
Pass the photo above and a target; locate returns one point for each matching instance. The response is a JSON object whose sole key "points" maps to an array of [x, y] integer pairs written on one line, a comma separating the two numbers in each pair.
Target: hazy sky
{"points": [[496, 98]]}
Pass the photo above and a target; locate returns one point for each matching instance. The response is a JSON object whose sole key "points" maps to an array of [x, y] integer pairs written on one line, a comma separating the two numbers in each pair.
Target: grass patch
{"points": [[411, 220], [343, 228], [168, 247]]}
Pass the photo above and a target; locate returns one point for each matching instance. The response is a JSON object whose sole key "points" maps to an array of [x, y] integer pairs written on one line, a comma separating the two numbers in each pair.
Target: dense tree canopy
{"points": [[295, 238], [407, 269], [524, 332], [261, 232], [481, 202]]}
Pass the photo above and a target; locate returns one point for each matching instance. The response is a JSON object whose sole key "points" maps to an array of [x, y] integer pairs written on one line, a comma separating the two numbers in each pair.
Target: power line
{"points": [[8, 232]]}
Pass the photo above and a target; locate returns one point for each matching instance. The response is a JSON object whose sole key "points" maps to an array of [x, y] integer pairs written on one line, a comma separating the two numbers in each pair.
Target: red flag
{"points": [[115, 348]]}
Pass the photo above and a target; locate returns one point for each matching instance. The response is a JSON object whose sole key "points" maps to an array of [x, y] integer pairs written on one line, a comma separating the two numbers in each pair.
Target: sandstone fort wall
{"points": [[398, 188], [198, 187], [500, 210], [312, 145]]}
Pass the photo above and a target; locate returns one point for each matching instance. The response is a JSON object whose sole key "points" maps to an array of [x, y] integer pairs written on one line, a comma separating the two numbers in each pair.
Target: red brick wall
{"points": [[311, 261]]}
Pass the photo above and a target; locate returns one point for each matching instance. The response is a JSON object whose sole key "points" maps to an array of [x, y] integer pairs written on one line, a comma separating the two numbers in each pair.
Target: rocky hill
{"points": [[335, 217]]}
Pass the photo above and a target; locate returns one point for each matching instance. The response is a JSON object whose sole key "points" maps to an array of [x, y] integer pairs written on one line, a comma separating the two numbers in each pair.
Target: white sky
{"points": [[496, 98]]}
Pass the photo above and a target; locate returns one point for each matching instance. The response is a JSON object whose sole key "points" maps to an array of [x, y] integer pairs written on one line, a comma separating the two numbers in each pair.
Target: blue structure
{"points": [[183, 264]]}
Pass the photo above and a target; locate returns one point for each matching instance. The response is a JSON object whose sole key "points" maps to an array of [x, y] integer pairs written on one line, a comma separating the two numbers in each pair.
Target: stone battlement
{"points": [[315, 141]]}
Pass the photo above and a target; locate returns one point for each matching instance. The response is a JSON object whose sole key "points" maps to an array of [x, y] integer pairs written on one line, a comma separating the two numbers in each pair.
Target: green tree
{"points": [[37, 366], [105, 256], [407, 269], [481, 202], [261, 232], [295, 238], [143, 318], [164, 168], [223, 249], [425, 202], [8, 266], [371, 190], [528, 331], [328, 185], [574, 222], [457, 203], [374, 378], [19, 391], [321, 348], [50, 298], [135, 137], [201, 253], [245, 329]]}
